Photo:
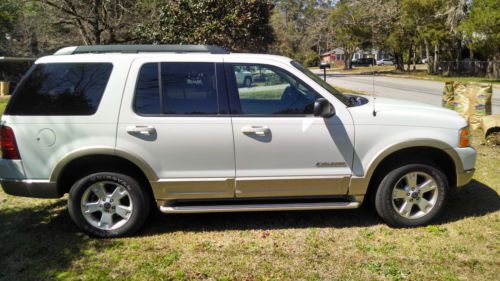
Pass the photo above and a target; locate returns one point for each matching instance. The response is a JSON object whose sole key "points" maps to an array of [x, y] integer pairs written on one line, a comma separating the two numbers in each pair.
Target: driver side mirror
{"points": [[323, 108]]}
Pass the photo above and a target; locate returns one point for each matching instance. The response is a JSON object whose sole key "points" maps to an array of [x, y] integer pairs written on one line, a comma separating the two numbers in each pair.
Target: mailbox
{"points": [[324, 65]]}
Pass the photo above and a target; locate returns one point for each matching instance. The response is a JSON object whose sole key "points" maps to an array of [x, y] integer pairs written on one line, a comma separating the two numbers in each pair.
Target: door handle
{"points": [[256, 130], [143, 130]]}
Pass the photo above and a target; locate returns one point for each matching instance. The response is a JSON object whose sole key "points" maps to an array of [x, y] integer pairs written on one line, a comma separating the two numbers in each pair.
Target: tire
{"points": [[115, 205], [247, 82], [400, 206]]}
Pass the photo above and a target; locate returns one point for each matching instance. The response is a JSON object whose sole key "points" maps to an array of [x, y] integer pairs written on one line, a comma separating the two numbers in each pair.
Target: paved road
{"points": [[408, 89]]}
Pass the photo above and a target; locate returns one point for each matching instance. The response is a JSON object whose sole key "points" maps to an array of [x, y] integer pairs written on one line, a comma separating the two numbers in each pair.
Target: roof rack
{"points": [[95, 49]]}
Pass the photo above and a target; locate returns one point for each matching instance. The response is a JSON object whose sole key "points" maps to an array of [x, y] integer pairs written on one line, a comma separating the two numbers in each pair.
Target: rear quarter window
{"points": [[61, 89]]}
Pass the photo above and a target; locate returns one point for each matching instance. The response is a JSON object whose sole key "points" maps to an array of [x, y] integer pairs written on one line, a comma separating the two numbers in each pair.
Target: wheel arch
{"points": [[437, 152], [74, 165]]}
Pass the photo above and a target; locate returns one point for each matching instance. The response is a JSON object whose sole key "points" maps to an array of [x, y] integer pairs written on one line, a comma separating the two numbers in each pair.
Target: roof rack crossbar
{"points": [[150, 49]]}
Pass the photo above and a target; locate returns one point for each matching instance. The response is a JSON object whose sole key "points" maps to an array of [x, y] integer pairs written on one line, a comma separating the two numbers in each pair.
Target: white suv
{"points": [[122, 128]]}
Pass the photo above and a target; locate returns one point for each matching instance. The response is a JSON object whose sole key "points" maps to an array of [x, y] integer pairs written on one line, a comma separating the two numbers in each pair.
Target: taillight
{"points": [[8, 143]]}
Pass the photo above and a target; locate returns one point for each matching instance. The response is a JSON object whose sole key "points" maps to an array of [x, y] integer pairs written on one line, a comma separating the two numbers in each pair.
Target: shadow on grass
{"points": [[161, 223], [40, 243], [475, 199]]}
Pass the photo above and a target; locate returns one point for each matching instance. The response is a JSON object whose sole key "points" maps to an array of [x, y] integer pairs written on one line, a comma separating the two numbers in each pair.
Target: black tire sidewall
{"points": [[138, 196], [383, 197]]}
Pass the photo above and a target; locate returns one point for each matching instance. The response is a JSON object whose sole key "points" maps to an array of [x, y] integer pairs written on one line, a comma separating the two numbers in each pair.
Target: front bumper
{"points": [[30, 188], [465, 177], [465, 161]]}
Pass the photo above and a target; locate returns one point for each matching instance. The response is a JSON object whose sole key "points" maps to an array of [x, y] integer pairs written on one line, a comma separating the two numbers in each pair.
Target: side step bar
{"points": [[258, 207]]}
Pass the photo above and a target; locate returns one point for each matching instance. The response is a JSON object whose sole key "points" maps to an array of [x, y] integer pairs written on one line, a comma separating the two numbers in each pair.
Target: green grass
{"points": [[349, 91], [420, 73], [423, 75], [3, 104], [38, 241]]}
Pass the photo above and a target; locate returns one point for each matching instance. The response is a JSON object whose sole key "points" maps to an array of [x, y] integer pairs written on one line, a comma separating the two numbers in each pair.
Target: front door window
{"points": [[272, 92]]}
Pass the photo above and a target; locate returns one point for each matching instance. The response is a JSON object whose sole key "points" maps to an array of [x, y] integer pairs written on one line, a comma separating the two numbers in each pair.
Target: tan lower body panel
{"points": [[207, 188], [291, 186], [203, 188]]}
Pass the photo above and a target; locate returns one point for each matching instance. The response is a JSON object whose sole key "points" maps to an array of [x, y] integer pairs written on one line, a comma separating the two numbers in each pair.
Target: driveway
{"points": [[429, 92]]}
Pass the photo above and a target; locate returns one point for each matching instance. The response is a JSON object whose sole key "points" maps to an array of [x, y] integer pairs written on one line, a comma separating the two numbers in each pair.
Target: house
{"points": [[336, 56]]}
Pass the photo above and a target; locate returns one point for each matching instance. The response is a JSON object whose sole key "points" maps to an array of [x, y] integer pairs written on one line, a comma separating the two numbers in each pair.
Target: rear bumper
{"points": [[30, 188]]}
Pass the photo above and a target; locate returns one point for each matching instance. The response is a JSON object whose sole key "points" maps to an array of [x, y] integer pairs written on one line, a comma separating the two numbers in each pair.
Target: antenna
{"points": [[374, 112], [373, 93]]}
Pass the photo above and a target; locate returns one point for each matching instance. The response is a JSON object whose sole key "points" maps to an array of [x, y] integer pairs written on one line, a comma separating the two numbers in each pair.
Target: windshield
{"points": [[322, 83]]}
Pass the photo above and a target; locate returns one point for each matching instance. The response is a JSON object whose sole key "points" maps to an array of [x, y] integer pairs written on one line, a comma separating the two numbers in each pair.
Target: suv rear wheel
{"points": [[108, 204], [411, 195]]}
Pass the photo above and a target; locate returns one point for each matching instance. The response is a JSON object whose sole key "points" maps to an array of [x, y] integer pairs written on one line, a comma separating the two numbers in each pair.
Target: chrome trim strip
{"points": [[259, 207], [192, 180], [292, 178], [27, 181]]}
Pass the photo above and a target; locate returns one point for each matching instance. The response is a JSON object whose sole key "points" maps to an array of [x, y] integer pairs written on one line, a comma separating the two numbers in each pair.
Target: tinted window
{"points": [[61, 89], [189, 88], [147, 92], [272, 91]]}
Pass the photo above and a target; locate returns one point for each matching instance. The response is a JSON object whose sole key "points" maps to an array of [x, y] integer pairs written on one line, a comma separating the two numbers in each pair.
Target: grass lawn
{"points": [[423, 75], [349, 91], [3, 103], [38, 241], [420, 73]]}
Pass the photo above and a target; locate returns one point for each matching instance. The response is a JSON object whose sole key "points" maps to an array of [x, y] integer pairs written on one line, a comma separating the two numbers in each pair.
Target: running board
{"points": [[258, 207]]}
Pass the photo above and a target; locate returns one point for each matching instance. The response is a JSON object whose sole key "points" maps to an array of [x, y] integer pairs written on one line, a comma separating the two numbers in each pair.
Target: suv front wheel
{"points": [[108, 204], [412, 195]]}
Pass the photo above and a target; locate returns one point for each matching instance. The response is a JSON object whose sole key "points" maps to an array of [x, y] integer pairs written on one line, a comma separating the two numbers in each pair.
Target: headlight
{"points": [[465, 137]]}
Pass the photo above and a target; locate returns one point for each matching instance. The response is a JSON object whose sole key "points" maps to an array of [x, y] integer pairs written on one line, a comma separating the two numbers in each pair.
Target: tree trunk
{"points": [[494, 66], [347, 59], [415, 59], [459, 50], [436, 59], [399, 61], [428, 56], [95, 24], [410, 51]]}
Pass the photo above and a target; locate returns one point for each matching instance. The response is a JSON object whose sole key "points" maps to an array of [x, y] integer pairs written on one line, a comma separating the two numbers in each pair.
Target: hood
{"points": [[406, 113], [395, 104]]}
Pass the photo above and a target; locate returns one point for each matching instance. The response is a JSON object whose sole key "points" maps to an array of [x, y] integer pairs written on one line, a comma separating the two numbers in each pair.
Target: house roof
{"points": [[336, 51]]}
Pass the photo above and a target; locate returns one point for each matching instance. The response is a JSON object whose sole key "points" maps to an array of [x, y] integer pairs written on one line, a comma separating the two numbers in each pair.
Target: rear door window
{"points": [[189, 88], [61, 89], [177, 88]]}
